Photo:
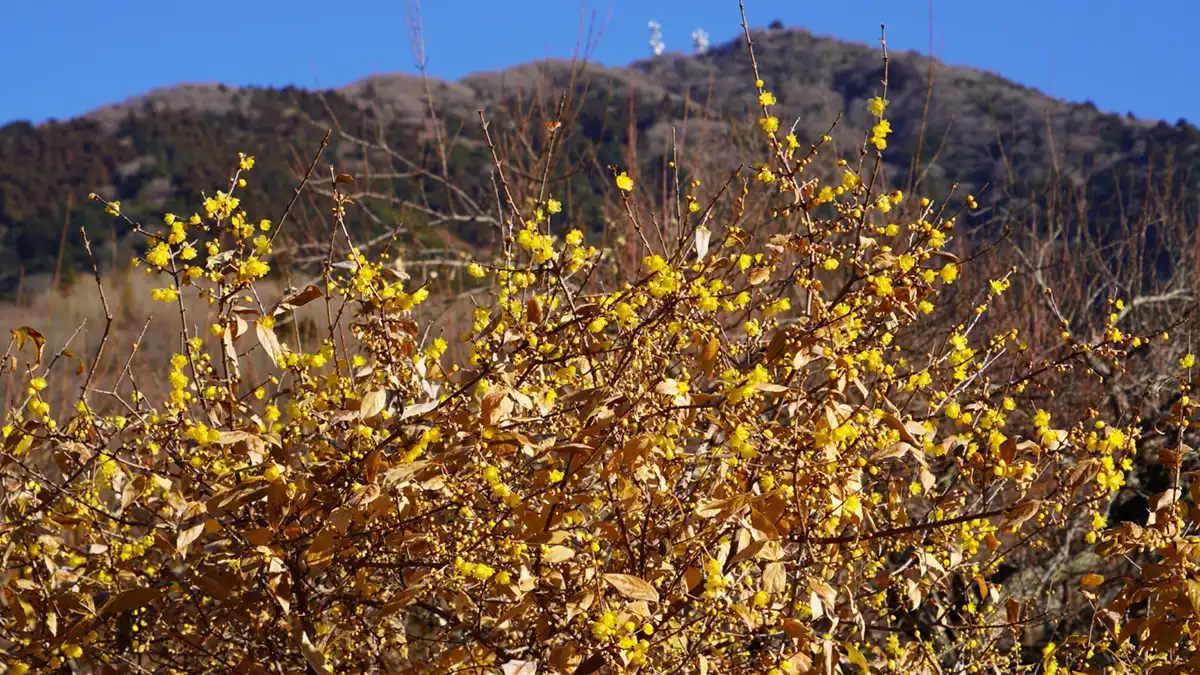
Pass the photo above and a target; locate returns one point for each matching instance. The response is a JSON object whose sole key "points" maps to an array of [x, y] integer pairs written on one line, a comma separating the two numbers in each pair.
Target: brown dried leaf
{"points": [[1020, 513], [579, 603], [402, 600], [856, 657], [189, 534], [722, 508], [893, 451], [496, 407], [415, 410], [636, 448], [905, 430], [1193, 594], [230, 351], [519, 668], [371, 465], [549, 538], [26, 334], [1012, 610], [708, 357], [129, 599], [363, 496], [72, 355], [703, 236], [825, 592], [320, 552], [1164, 499], [314, 656], [774, 578], [558, 554], [373, 403], [298, 299], [632, 587], [668, 387], [270, 343], [927, 479], [398, 476], [533, 309], [796, 630]]}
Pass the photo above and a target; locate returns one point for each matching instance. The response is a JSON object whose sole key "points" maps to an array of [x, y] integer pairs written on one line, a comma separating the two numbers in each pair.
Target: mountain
{"points": [[159, 151]]}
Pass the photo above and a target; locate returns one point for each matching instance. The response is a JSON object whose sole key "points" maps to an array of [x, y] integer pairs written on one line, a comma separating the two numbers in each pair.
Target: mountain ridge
{"points": [[158, 150]]}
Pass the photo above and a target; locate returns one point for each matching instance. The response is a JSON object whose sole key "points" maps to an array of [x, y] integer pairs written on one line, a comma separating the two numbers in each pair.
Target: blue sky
{"points": [[66, 57]]}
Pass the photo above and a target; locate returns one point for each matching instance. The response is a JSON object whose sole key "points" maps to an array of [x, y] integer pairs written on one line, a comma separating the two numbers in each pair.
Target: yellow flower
{"points": [[1187, 361], [624, 182], [71, 651], [766, 98], [575, 237], [159, 256], [879, 134], [949, 273], [170, 294], [553, 205], [476, 270], [877, 105]]}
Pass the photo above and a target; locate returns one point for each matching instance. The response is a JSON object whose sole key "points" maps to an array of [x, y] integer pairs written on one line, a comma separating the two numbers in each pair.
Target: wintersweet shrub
{"points": [[740, 462]]}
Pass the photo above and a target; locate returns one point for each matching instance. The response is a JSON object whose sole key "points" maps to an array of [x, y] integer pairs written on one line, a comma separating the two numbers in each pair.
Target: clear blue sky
{"points": [[66, 57]]}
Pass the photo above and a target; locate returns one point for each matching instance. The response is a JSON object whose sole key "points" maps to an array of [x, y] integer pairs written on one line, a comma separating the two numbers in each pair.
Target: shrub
{"points": [[755, 457]]}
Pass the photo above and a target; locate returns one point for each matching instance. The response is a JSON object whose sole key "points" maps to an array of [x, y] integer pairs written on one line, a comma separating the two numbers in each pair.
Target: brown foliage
{"points": [[754, 445]]}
